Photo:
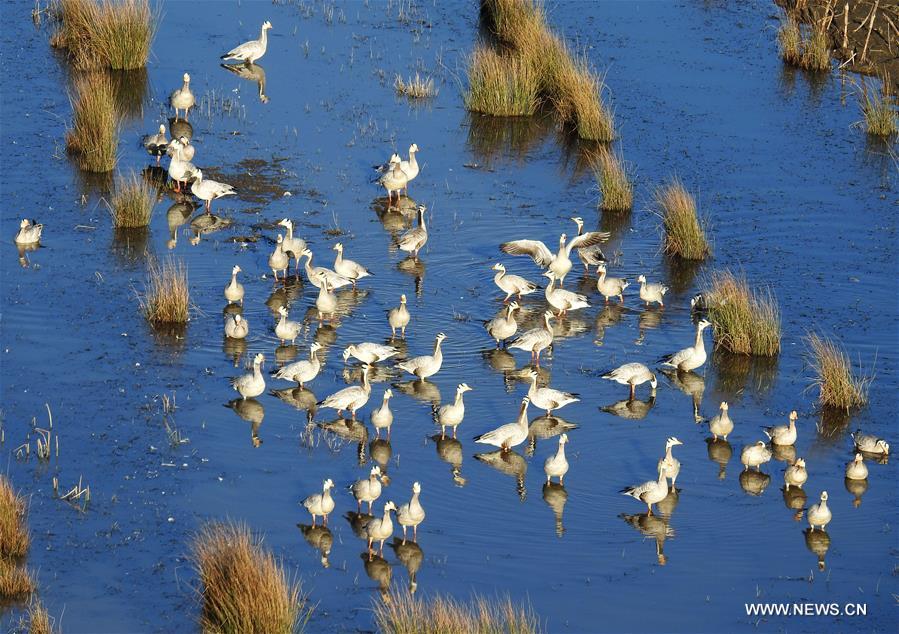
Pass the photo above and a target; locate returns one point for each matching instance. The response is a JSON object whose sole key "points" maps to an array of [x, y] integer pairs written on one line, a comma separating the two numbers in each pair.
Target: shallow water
{"points": [[796, 198]]}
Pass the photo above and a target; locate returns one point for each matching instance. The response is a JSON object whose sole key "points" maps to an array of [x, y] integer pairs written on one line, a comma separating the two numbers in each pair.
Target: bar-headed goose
{"points": [[452, 414], [856, 470], [29, 232], [156, 144], [668, 462], [721, 424], [317, 273], [348, 268], [870, 444], [183, 98], [285, 329], [399, 317], [382, 417], [368, 352], [556, 466], [209, 190], [536, 340], [512, 284], [367, 489], [783, 434], [188, 150], [326, 301], [652, 292], [511, 434], [279, 260], [413, 240], [180, 169], [548, 398], [394, 180], [563, 300], [610, 286], [234, 290], [755, 455], [251, 384], [650, 492], [503, 327], [632, 374], [425, 365], [292, 246], [352, 398], [589, 256], [411, 514], [796, 474], [320, 503], [380, 529], [819, 514], [692, 357], [302, 371], [236, 327], [249, 52], [559, 262]]}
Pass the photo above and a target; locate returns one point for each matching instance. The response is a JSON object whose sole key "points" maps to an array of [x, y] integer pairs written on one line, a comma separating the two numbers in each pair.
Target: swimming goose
{"points": [[180, 169], [411, 514], [783, 434], [796, 474], [326, 302], [353, 271], [413, 240], [317, 273], [512, 284], [563, 300], [755, 455], [367, 489], [352, 398], [302, 371], [398, 318], [560, 262], [251, 384], [209, 190], [692, 357], [380, 529], [548, 398], [292, 246], [183, 98], [285, 329], [156, 144], [721, 424], [249, 52], [668, 462], [511, 434], [382, 417], [856, 470], [632, 374], [556, 466], [819, 514], [503, 327], [236, 327], [426, 365], [29, 232], [368, 352], [590, 256], [650, 492], [536, 340], [278, 260], [320, 503], [610, 286], [870, 444], [451, 414], [650, 293], [394, 180], [234, 290]]}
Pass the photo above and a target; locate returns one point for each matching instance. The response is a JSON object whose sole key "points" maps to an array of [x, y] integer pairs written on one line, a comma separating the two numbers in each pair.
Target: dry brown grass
{"points": [[39, 621], [245, 589], [14, 537], [878, 108], [167, 296], [501, 84], [132, 202], [810, 50], [838, 386], [16, 582], [744, 321], [613, 181], [93, 138], [401, 613], [97, 34], [415, 87], [789, 40], [816, 50], [684, 233]]}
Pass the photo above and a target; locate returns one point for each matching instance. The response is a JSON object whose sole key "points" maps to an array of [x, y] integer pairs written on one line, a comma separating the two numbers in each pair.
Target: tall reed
{"points": [[167, 296], [14, 537], [615, 188], [879, 108], [500, 84], [98, 34], [838, 386], [93, 138], [684, 233], [745, 321], [132, 202]]}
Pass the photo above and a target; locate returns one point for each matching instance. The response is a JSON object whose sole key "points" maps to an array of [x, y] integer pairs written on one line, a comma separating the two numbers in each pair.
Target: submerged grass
{"points": [[132, 202], [745, 321], [245, 589], [93, 137], [684, 233], [167, 297], [416, 87], [810, 51], [96, 34], [501, 84], [816, 50], [14, 537], [838, 386], [613, 181], [879, 109]]}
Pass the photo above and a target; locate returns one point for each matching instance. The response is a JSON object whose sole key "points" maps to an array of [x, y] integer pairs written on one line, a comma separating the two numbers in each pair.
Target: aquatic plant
{"points": [[745, 321], [245, 589], [93, 137], [416, 87], [838, 386], [684, 233], [500, 84], [816, 49], [98, 34], [14, 537], [167, 296], [402, 613], [614, 183], [39, 621], [16, 581], [789, 40], [879, 109], [810, 51], [132, 202]]}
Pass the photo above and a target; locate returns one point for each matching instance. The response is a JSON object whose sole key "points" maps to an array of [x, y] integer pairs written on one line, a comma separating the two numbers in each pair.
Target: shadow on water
{"points": [[654, 527], [493, 140], [681, 274], [320, 538], [132, 246], [449, 450], [720, 452], [252, 411], [736, 373], [171, 337]]}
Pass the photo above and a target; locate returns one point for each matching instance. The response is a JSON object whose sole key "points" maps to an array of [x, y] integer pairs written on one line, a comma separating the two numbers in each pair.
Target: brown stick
{"points": [[870, 28]]}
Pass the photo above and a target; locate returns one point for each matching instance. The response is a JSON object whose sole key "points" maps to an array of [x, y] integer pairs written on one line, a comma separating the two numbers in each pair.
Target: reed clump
{"points": [[39, 621], [684, 232], [744, 321], [132, 202], [98, 34], [879, 109], [613, 180], [810, 50], [93, 137], [501, 84], [838, 386], [167, 296], [402, 613], [415, 87], [245, 589], [16, 582], [14, 536], [789, 40], [816, 49]]}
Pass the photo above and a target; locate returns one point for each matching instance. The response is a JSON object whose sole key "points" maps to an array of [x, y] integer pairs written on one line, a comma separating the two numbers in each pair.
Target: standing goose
{"points": [[721, 424], [556, 466], [383, 168], [278, 260], [411, 514], [413, 240], [399, 317], [380, 529], [651, 492], [394, 180], [156, 144], [560, 262], [692, 357], [234, 290], [251, 384], [668, 462], [292, 246], [302, 371], [326, 302], [633, 374], [563, 300], [183, 98], [654, 292], [249, 52], [368, 352], [548, 398], [796, 474], [353, 271], [512, 284], [382, 417], [426, 365], [287, 330], [209, 190], [870, 444], [320, 503], [410, 167], [29, 232], [317, 273], [783, 434], [503, 327], [819, 514], [856, 470], [184, 144], [511, 434], [452, 414], [610, 286], [352, 398], [180, 168], [236, 327], [755, 455], [589, 256], [536, 340], [367, 489]]}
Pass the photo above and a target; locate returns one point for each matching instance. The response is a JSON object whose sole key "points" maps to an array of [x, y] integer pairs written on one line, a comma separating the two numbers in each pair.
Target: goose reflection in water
{"points": [[609, 316], [819, 543], [509, 462], [411, 556], [285, 353], [349, 430], [650, 319], [544, 427], [234, 349], [378, 570], [630, 409], [207, 222], [754, 482], [450, 451], [250, 72], [691, 384], [555, 496], [381, 451], [320, 538], [24, 250], [284, 295], [720, 452], [251, 411], [301, 398], [857, 488], [420, 389], [795, 499], [416, 268], [654, 527]]}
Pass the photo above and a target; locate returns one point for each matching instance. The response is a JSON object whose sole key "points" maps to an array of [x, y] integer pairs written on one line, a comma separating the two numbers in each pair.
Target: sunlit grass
{"points": [[132, 202], [838, 386], [167, 296], [745, 321], [97, 34], [93, 138], [39, 621], [615, 188], [14, 537], [500, 84], [810, 50], [416, 87], [879, 109], [684, 233], [16, 582]]}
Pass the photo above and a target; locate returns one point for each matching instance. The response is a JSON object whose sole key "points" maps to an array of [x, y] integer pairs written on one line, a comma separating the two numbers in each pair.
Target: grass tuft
{"points": [[167, 298], [14, 537], [16, 582], [684, 233], [810, 51], [816, 50], [878, 108], [789, 40], [97, 34], [39, 621], [837, 385], [416, 87], [245, 589], [575, 95], [613, 180], [500, 84], [745, 321], [93, 137], [132, 202]]}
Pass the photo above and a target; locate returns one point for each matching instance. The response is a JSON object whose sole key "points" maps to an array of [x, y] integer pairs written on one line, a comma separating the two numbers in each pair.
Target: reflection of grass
{"points": [[612, 179], [416, 87], [167, 298], [93, 137], [837, 385], [500, 84], [878, 109], [745, 321], [113, 34], [684, 234], [132, 202]]}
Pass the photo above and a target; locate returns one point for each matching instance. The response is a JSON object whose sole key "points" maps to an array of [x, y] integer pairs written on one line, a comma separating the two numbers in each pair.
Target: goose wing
{"points": [[588, 239], [534, 249], [243, 51]]}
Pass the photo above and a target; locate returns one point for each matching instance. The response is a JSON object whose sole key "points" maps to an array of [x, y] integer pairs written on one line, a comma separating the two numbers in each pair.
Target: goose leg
{"points": [[633, 391], [404, 534], [326, 519], [313, 519], [415, 533]]}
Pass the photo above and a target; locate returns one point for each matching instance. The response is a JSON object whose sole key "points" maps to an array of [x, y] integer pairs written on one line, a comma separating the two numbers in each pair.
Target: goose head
{"points": [[280, 239], [724, 406], [390, 506], [601, 267], [703, 324], [524, 404], [462, 388], [799, 462], [416, 487], [793, 416], [547, 316], [286, 222], [672, 442], [338, 247], [883, 445], [859, 458], [421, 210], [403, 298], [550, 275], [235, 270], [258, 359], [579, 222], [562, 239], [24, 224], [328, 484], [282, 311], [499, 267], [388, 394], [198, 175], [440, 337], [563, 439], [513, 307], [641, 279], [186, 78], [315, 347], [161, 128], [760, 443], [413, 148], [183, 140], [266, 25], [824, 496], [375, 472], [348, 351], [237, 319], [306, 253]]}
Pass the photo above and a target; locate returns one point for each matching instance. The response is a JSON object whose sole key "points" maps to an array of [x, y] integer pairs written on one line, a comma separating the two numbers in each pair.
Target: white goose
{"points": [[292, 246], [352, 398], [410, 167], [856, 470], [183, 98], [692, 357], [796, 474], [368, 352], [302, 371], [755, 455], [783, 434], [234, 290], [29, 232], [413, 240], [382, 417], [326, 302], [452, 414], [187, 149], [556, 466], [411, 514], [180, 169], [236, 327], [394, 180], [563, 300], [668, 462], [651, 492], [511, 434], [399, 317], [721, 424], [320, 503], [548, 398], [156, 144], [652, 293], [504, 326], [251, 384], [632, 374], [560, 262], [870, 444], [249, 52], [819, 514], [512, 284], [367, 489], [317, 273], [610, 286], [209, 190], [351, 270], [425, 365], [279, 260], [536, 340], [287, 330], [589, 256], [380, 529]]}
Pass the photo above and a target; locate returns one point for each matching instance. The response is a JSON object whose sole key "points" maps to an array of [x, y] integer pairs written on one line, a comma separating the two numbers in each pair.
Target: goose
{"points": [[548, 398], [633, 374], [563, 300], [503, 327], [721, 424], [610, 286], [512, 284], [302, 371], [156, 144], [236, 327], [382, 417], [180, 169], [692, 357], [398, 317], [380, 529], [234, 290], [385, 167], [317, 273], [795, 475], [651, 293], [411, 514], [29, 232], [209, 190], [410, 167], [755, 455], [413, 240], [856, 470], [556, 466], [426, 365], [352, 398], [870, 444], [511, 434], [251, 384], [536, 340], [249, 52], [590, 256], [326, 302], [353, 271], [650, 492], [452, 414], [783, 434], [367, 489], [279, 260], [285, 329], [560, 262], [368, 352], [183, 98], [320, 503], [292, 246], [818, 514], [187, 149], [394, 180], [668, 462]]}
